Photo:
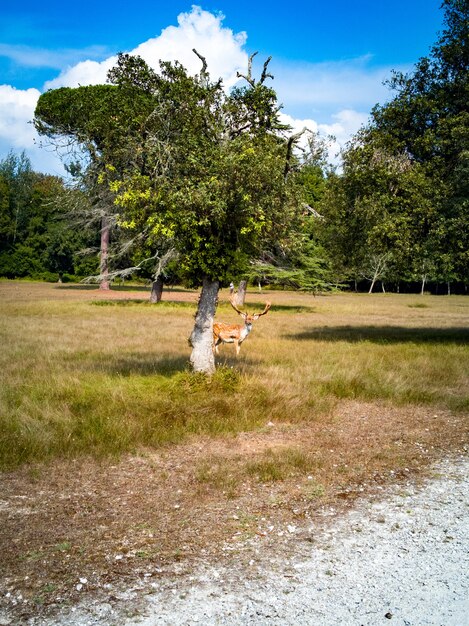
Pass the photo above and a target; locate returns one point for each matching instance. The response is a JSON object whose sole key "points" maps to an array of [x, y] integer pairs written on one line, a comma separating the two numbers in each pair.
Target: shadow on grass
{"points": [[139, 288], [166, 304], [143, 364], [255, 307], [384, 334], [232, 361]]}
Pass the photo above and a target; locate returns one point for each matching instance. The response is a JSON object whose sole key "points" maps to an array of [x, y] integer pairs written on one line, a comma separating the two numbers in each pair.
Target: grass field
{"points": [[83, 373], [330, 395]]}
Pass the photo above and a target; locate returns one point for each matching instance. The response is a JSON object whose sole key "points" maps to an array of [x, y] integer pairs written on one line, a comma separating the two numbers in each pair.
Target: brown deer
{"points": [[235, 333]]}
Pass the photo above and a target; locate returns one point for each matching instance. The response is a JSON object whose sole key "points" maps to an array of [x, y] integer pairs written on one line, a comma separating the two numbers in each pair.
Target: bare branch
{"points": [[163, 261], [249, 77], [312, 211], [266, 74], [291, 141], [203, 71], [128, 271]]}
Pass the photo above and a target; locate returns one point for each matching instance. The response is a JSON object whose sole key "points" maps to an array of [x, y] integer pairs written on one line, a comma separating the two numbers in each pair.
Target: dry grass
{"points": [[112, 448]]}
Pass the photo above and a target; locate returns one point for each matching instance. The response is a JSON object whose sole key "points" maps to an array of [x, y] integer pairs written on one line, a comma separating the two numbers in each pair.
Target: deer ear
{"points": [[255, 317]]}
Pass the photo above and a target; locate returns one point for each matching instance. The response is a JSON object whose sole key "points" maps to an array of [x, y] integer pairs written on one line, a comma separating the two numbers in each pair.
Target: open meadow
{"points": [[117, 461]]}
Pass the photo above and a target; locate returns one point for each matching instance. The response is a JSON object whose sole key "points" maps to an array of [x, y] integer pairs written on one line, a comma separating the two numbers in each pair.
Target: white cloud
{"points": [[16, 111], [314, 89], [17, 132], [198, 29], [83, 73], [203, 31], [343, 125]]}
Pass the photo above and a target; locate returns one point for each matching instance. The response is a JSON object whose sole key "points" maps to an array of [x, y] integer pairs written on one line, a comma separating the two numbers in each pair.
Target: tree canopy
{"points": [[402, 201]]}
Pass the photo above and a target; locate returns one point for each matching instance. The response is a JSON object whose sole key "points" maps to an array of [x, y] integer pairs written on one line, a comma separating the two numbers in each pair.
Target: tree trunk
{"points": [[202, 358], [449, 288], [241, 293], [103, 264], [156, 290], [383, 287], [424, 278], [375, 277]]}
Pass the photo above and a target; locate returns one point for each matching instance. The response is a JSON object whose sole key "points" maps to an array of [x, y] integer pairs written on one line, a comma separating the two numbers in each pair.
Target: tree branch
{"points": [[266, 74], [290, 145], [249, 77], [203, 71]]}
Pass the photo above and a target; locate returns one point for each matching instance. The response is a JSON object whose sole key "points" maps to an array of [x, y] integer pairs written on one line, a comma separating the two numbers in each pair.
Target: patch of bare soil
{"points": [[80, 527]]}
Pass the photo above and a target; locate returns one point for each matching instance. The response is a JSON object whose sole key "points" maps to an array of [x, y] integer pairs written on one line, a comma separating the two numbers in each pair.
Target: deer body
{"points": [[235, 333]]}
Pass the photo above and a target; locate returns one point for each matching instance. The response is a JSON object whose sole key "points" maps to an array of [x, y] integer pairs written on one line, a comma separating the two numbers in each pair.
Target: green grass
{"points": [[83, 376]]}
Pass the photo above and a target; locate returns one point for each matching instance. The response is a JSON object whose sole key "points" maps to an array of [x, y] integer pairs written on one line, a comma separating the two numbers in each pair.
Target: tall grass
{"points": [[84, 379]]}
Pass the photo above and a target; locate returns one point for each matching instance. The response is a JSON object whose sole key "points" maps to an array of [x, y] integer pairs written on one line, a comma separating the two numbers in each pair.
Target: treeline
{"points": [[171, 196], [399, 211], [39, 238]]}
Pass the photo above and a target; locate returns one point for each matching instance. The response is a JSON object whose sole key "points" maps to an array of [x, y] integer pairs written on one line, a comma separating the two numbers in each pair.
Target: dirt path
{"points": [[402, 559]]}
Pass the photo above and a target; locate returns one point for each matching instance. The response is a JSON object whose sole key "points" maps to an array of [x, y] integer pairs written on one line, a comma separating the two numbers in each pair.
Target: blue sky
{"points": [[329, 58]]}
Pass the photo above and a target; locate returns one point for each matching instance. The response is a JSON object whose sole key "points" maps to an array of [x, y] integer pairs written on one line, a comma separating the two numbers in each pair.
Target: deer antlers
{"points": [[255, 316]]}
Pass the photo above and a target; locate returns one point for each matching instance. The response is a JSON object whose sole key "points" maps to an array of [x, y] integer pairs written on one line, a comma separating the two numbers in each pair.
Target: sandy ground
{"points": [[402, 559]]}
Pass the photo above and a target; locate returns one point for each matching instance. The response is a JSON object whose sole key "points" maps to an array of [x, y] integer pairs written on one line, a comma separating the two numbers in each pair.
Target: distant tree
{"points": [[35, 238], [378, 213]]}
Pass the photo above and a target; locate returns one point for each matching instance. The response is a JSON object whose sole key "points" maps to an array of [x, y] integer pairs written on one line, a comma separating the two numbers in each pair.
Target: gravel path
{"points": [[401, 560]]}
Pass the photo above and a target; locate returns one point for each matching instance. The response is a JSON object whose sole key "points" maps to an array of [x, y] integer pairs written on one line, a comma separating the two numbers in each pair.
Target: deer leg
{"points": [[237, 344]]}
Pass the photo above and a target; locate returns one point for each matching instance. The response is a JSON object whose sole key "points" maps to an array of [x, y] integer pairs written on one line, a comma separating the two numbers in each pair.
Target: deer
{"points": [[235, 333]]}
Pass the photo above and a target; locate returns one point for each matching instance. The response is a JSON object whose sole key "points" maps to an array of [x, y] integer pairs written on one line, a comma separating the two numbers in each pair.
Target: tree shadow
{"points": [[166, 304], [147, 364], [235, 362], [384, 334], [139, 288], [259, 306], [143, 364]]}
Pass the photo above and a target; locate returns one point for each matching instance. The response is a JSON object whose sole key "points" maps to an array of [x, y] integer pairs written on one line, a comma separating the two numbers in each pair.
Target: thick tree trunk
{"points": [[103, 264], [156, 290], [201, 339], [241, 293]]}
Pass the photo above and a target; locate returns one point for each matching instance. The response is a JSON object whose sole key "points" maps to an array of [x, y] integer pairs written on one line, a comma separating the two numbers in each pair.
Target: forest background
{"points": [[392, 215]]}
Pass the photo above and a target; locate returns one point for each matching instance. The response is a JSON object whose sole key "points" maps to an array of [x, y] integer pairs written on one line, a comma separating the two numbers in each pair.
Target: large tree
{"points": [[215, 182], [400, 208], [428, 121]]}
